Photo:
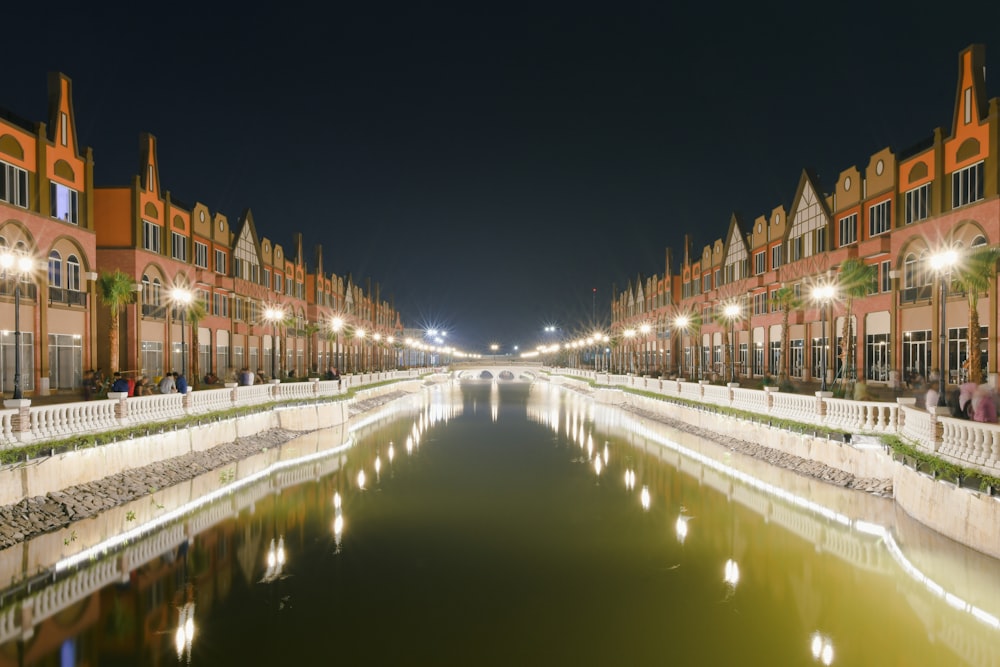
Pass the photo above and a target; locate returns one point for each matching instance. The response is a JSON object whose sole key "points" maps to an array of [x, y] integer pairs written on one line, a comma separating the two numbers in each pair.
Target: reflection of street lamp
{"points": [[20, 265], [182, 300], [274, 315], [941, 263], [823, 294], [732, 312]]}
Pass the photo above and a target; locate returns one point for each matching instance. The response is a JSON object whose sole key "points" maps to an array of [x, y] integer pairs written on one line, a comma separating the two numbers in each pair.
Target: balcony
{"points": [[67, 297]]}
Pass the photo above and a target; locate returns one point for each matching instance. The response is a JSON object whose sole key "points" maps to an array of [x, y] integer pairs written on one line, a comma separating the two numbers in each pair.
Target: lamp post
{"points": [[359, 333], [941, 263], [19, 265], [823, 294], [732, 313], [644, 329], [493, 348], [274, 315], [182, 299], [629, 335], [337, 324], [681, 324]]}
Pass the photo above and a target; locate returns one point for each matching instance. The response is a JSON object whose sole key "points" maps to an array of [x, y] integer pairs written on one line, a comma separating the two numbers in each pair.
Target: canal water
{"points": [[516, 524]]}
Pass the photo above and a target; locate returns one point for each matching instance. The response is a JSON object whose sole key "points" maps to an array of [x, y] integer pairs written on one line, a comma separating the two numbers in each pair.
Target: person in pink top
{"points": [[984, 404]]}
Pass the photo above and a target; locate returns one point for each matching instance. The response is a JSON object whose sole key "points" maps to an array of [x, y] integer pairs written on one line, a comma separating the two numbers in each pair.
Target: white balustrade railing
{"points": [[717, 395], [24, 423], [210, 400], [796, 407], [958, 440], [158, 407]]}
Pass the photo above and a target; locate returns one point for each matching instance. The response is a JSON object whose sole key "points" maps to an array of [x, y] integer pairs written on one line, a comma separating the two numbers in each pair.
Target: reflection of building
{"points": [[891, 214], [46, 211], [51, 210]]}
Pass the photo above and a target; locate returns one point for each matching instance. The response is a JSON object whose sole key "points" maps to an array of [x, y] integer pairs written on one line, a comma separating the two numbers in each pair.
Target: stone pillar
{"points": [[233, 396], [821, 397], [187, 400], [315, 386], [769, 398], [121, 407], [937, 427], [275, 391], [20, 423]]}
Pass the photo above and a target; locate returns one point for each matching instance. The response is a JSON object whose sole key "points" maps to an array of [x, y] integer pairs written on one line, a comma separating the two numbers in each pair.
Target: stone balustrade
{"points": [[22, 423], [966, 443]]}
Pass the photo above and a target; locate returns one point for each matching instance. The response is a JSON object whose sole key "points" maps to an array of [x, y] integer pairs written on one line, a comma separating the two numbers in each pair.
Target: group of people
{"points": [[246, 377], [967, 401], [97, 385]]}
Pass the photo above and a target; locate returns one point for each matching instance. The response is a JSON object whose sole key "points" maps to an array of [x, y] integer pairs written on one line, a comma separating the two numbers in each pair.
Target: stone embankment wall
{"points": [[966, 516]]}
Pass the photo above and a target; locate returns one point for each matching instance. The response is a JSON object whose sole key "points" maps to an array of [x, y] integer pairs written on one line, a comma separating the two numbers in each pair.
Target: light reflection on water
{"points": [[601, 539]]}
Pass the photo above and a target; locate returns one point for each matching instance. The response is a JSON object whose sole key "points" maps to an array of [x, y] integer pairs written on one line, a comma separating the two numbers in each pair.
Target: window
{"points": [[150, 236], [178, 246], [967, 185], [821, 240], [220, 261], [64, 203], [885, 276], [220, 305], [967, 94], [13, 185], [772, 298], [878, 218], [760, 303], [63, 129], [55, 269], [917, 201], [73, 273], [795, 249], [775, 257], [277, 282], [717, 280], [848, 229], [759, 263], [200, 255]]}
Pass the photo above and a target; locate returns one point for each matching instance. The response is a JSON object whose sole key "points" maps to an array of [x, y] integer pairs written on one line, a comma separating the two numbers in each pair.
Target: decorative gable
{"points": [[808, 222]]}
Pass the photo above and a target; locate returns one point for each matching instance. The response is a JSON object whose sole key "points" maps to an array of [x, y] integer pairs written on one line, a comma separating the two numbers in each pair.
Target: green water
{"points": [[487, 533]]}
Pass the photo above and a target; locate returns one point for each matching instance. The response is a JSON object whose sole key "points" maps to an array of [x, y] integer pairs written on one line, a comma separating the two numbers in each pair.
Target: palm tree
{"points": [[855, 280], [310, 329], [786, 300], [974, 274], [116, 290], [196, 311]]}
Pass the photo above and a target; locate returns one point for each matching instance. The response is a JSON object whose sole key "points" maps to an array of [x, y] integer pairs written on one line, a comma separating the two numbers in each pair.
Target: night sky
{"points": [[490, 166]]}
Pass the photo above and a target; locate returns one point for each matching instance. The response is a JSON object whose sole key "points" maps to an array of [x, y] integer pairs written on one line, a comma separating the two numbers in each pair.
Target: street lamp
{"points": [[337, 324], [644, 329], [494, 347], [20, 265], [941, 263], [732, 312], [681, 323], [823, 294], [182, 299], [274, 315], [359, 333], [629, 335]]}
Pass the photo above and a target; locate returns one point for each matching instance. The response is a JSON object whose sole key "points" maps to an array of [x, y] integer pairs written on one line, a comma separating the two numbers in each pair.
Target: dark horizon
{"points": [[489, 168]]}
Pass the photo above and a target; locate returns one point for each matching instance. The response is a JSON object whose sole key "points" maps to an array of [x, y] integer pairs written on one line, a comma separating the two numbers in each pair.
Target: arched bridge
{"points": [[496, 369]]}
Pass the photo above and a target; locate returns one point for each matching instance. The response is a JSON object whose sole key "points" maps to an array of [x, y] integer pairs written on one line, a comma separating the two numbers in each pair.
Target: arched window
{"points": [[55, 269], [926, 274], [911, 274], [73, 273], [156, 291], [980, 240], [147, 292]]}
